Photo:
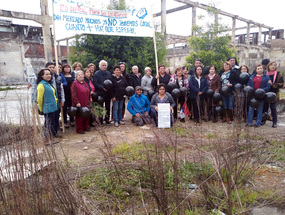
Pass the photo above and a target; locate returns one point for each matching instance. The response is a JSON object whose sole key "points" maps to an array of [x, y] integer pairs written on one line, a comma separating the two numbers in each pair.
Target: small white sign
{"points": [[163, 115]]}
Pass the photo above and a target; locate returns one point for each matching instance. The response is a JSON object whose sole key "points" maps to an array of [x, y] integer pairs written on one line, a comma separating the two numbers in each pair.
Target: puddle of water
{"points": [[267, 210]]}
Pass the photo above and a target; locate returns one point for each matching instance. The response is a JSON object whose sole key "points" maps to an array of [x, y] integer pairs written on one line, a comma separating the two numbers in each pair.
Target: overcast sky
{"points": [[270, 13]]}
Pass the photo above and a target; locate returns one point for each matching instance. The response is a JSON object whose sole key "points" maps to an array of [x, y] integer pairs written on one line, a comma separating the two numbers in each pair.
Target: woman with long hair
{"points": [[48, 104], [229, 79], [198, 86], [241, 102], [181, 81], [89, 82], [161, 97], [277, 83], [214, 83], [66, 71]]}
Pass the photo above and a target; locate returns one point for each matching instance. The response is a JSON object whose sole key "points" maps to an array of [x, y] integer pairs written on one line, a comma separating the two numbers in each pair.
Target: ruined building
{"points": [[20, 46]]}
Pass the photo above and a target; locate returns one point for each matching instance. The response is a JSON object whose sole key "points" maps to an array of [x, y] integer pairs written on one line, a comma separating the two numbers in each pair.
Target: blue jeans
{"points": [[51, 124], [259, 114], [117, 110], [228, 102]]}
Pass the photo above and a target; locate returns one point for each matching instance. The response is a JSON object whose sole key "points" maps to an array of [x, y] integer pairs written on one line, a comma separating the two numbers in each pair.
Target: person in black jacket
{"points": [[162, 76], [135, 78], [198, 62], [228, 78], [198, 86], [277, 83], [127, 78], [234, 64], [98, 79], [117, 95]]}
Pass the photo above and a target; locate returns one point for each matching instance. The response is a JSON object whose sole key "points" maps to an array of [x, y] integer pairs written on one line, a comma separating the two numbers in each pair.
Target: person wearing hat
{"points": [[146, 82], [139, 107]]}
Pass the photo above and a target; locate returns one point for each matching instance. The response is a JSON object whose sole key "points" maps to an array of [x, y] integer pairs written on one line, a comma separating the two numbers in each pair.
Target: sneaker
{"points": [[66, 125], [122, 123], [257, 125], [274, 125], [72, 124], [116, 124], [108, 122]]}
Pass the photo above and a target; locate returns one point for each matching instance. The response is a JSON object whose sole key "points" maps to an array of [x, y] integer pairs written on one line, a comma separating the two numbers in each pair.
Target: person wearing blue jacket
{"points": [[259, 80], [139, 107], [98, 79], [198, 86]]}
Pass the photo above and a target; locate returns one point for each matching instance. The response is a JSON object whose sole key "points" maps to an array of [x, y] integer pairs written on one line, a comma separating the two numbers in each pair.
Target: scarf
{"points": [[272, 73]]}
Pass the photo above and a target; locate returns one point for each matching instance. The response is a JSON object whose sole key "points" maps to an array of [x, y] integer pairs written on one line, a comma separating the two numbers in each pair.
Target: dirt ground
{"points": [[80, 147]]}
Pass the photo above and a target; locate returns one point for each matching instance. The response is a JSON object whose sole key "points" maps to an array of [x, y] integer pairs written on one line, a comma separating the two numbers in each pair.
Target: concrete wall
{"points": [[11, 63]]}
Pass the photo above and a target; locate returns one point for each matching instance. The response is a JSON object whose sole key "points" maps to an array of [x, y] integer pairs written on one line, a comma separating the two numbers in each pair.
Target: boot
{"points": [[215, 117], [224, 115], [230, 116]]}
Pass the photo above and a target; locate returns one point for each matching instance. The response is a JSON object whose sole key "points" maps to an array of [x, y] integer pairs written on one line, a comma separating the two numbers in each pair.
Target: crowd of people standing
{"points": [[75, 87]]}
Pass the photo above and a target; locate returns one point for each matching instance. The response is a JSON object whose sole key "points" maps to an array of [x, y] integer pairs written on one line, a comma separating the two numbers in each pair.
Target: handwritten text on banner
{"points": [[78, 19]]}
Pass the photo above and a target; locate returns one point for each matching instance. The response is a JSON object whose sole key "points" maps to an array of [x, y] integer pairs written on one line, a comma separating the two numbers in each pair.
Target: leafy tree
{"points": [[210, 45], [114, 49]]}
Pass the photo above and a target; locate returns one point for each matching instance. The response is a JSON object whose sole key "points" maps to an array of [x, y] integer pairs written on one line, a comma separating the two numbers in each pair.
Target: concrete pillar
{"points": [[233, 30], [163, 17], [193, 20], [47, 42], [46, 30], [259, 35], [248, 34], [269, 37]]}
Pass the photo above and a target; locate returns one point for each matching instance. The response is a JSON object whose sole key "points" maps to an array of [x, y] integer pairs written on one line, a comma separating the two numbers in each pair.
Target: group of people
{"points": [[75, 87]]}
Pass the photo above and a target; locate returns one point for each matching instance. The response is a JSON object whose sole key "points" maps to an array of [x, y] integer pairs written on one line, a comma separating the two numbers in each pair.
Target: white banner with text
{"points": [[78, 18]]}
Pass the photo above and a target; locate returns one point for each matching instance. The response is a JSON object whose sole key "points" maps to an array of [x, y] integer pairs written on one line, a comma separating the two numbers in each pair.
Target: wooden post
{"points": [[155, 51]]}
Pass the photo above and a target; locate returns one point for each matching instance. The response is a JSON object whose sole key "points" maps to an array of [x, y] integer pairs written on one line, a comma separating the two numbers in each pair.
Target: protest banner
{"points": [[79, 18], [163, 115]]}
